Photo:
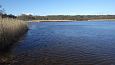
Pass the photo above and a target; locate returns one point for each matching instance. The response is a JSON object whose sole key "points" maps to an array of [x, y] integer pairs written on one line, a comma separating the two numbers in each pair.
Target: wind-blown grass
{"points": [[10, 31]]}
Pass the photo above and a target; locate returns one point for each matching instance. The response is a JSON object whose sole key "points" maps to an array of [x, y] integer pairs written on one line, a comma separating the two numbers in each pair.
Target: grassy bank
{"points": [[102, 20], [11, 30]]}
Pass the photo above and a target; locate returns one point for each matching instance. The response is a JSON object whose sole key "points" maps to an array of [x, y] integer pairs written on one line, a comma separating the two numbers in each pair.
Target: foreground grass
{"points": [[10, 31]]}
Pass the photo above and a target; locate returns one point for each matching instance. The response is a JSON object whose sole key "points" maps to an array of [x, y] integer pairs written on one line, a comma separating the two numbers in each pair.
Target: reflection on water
{"points": [[66, 43]]}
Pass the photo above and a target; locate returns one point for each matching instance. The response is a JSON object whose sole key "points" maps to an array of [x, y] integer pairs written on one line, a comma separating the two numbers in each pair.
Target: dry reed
{"points": [[11, 30]]}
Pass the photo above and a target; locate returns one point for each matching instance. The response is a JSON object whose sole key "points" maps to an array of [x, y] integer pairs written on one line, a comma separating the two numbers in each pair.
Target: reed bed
{"points": [[10, 31]]}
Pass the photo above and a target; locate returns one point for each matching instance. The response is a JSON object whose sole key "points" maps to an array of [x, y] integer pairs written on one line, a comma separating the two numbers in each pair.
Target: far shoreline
{"points": [[52, 20], [102, 20], [70, 20]]}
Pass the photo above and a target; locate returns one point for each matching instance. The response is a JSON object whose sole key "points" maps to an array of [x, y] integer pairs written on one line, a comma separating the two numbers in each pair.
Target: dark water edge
{"points": [[64, 43], [5, 53]]}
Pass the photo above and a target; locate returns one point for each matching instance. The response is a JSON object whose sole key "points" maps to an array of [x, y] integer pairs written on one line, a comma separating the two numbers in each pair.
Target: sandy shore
{"points": [[51, 20], [70, 20]]}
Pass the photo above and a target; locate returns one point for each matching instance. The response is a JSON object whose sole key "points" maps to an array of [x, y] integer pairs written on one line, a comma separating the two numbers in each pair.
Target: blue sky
{"points": [[59, 7]]}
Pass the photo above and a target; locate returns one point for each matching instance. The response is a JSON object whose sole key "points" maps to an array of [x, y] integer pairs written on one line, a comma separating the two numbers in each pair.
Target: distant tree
{"points": [[10, 16], [2, 11], [26, 17]]}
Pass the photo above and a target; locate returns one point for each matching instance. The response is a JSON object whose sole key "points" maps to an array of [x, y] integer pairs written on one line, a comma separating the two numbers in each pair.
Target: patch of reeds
{"points": [[11, 30]]}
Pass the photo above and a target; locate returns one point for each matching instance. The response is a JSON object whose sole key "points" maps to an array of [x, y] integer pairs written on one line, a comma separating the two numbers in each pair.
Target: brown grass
{"points": [[11, 30]]}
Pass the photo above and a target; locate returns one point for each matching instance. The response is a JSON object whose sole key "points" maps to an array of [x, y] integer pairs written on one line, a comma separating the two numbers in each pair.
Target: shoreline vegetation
{"points": [[102, 20], [70, 20], [63, 18], [51, 20], [10, 31]]}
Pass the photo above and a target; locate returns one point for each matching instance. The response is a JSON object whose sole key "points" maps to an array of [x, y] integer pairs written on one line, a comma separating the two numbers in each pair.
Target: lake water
{"points": [[66, 43]]}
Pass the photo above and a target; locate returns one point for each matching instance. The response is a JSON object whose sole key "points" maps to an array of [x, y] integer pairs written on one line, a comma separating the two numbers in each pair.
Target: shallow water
{"points": [[66, 43]]}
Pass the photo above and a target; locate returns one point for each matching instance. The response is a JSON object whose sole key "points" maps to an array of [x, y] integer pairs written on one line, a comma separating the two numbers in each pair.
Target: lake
{"points": [[65, 43]]}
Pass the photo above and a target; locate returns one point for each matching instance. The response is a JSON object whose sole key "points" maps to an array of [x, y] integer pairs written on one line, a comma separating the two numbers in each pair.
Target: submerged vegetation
{"points": [[11, 30]]}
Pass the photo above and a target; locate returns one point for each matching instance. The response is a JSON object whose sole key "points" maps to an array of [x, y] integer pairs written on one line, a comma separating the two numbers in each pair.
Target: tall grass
{"points": [[11, 30]]}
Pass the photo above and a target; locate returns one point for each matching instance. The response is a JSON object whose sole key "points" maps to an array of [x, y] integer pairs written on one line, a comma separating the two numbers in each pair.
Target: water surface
{"points": [[66, 43]]}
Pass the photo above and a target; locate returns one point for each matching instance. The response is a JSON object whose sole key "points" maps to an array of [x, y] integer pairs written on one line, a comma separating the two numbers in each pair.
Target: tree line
{"points": [[65, 17]]}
